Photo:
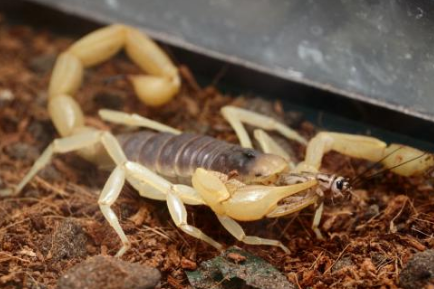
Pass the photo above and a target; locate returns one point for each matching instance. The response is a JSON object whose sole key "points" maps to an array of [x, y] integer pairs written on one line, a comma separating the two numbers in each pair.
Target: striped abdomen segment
{"points": [[176, 157]]}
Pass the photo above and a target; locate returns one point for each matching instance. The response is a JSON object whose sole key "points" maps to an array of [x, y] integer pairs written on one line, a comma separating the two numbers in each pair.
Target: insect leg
{"points": [[134, 120], [237, 231], [237, 116], [287, 209], [317, 220]]}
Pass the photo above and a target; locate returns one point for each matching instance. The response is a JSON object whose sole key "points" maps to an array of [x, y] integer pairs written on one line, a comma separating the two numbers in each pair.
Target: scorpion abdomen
{"points": [[176, 157]]}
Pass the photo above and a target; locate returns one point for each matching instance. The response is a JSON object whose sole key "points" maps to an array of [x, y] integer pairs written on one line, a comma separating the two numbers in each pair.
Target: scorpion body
{"points": [[176, 157], [236, 182]]}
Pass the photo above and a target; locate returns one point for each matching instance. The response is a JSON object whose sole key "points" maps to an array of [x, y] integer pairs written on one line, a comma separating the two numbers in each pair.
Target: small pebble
{"points": [[419, 271], [109, 273]]}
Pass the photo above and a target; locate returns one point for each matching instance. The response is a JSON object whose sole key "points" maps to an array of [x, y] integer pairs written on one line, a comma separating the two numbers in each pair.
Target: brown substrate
{"points": [[56, 223]]}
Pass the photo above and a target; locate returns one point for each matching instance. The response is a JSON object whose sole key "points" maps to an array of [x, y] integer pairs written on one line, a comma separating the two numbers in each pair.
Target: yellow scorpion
{"points": [[182, 168]]}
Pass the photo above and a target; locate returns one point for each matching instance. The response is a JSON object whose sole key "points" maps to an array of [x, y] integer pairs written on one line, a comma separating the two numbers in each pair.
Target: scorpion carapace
{"points": [[177, 156]]}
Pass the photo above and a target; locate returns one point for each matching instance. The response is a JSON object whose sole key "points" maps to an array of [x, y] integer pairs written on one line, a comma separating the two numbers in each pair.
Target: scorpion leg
{"points": [[247, 202], [237, 231], [179, 215], [151, 186], [112, 187], [270, 146], [139, 177], [407, 161], [237, 116], [352, 145], [133, 119], [174, 196], [108, 197], [62, 145]]}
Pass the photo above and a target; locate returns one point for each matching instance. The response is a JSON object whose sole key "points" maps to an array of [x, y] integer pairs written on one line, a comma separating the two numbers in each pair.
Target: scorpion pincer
{"points": [[236, 182]]}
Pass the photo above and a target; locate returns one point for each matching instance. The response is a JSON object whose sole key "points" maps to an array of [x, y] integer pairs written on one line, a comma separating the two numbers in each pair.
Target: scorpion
{"points": [[187, 169]]}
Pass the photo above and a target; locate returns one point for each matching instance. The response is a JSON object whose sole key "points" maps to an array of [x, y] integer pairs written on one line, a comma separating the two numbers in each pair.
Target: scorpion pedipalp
{"points": [[230, 195]]}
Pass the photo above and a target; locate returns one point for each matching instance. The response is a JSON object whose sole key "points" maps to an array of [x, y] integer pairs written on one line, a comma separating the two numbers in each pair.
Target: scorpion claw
{"points": [[210, 186], [226, 196]]}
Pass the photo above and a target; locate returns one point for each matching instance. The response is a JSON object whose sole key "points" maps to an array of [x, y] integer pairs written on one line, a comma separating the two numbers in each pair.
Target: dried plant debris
{"points": [[235, 269], [419, 271], [109, 273], [66, 242], [56, 222]]}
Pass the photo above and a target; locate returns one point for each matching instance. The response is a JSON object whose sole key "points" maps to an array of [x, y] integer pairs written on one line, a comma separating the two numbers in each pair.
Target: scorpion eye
{"points": [[249, 154]]}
